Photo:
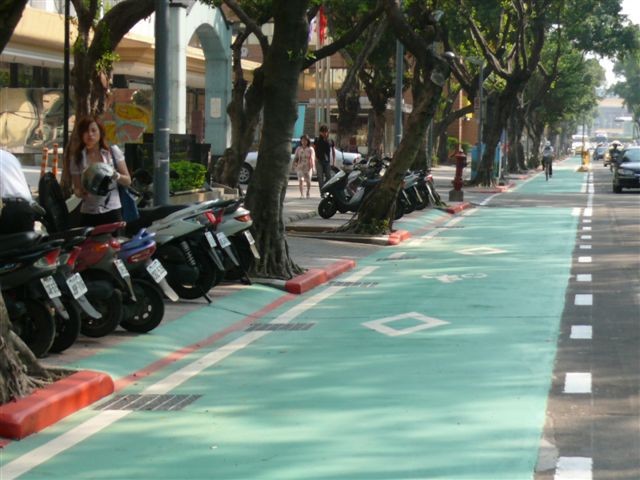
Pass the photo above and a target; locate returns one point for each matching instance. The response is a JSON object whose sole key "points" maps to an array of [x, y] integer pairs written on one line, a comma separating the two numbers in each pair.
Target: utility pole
{"points": [[161, 106], [66, 77], [399, 81]]}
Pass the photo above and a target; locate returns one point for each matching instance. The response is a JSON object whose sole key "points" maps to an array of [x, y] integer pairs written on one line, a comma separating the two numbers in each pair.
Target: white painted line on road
{"points": [[583, 299], [585, 247], [584, 277], [397, 255], [574, 468], [584, 259], [23, 464], [575, 212], [586, 229], [586, 220], [586, 237], [577, 382], [581, 332], [588, 212]]}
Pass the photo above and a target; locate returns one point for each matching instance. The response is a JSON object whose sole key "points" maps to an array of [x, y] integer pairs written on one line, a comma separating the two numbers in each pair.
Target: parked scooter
{"points": [[148, 282], [26, 268], [344, 192]]}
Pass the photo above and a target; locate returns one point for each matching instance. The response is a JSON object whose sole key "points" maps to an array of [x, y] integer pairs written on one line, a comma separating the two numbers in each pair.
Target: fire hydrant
{"points": [[457, 195]]}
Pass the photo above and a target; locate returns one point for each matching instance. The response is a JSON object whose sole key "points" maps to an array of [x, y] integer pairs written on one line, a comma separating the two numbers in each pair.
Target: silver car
{"points": [[343, 159]]}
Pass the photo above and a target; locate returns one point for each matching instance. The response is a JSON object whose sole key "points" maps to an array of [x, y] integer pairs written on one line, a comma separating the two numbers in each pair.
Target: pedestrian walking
{"points": [[90, 167], [16, 215], [325, 155], [303, 163]]}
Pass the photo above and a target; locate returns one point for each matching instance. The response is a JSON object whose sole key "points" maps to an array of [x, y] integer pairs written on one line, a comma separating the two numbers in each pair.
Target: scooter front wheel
{"points": [[327, 207], [111, 311], [36, 327], [67, 331], [206, 279], [147, 313]]}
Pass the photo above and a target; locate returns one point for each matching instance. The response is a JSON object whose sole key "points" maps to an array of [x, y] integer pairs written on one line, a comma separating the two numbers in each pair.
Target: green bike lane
{"points": [[431, 359]]}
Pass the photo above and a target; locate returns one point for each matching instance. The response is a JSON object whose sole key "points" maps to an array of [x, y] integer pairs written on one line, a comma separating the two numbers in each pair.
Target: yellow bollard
{"points": [[586, 162]]}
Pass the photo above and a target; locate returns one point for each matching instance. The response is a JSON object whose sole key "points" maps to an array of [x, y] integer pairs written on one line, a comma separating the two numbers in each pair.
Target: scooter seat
{"points": [[70, 235], [107, 228], [22, 241], [150, 215]]}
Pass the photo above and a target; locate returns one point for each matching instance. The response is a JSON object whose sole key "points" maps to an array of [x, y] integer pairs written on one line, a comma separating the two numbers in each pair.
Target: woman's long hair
{"points": [[83, 126]]}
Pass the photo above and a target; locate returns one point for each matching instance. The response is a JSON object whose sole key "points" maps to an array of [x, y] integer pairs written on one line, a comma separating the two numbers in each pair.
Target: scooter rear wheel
{"points": [[327, 207], [67, 331], [36, 327], [147, 313]]}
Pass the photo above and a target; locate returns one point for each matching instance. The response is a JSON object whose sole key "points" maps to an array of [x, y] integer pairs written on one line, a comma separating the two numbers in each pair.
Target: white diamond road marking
{"points": [[584, 277], [480, 251], [581, 332], [584, 299], [574, 468], [584, 259], [424, 322], [577, 382]]}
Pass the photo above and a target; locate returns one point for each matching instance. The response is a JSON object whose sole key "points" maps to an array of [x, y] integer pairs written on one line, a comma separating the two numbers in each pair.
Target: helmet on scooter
{"points": [[97, 177]]}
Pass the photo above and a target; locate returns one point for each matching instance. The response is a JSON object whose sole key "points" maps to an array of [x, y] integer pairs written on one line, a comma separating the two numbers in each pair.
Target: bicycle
{"points": [[546, 164]]}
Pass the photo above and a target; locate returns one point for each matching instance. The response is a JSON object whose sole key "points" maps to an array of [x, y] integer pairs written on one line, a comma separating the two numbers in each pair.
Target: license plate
{"points": [[157, 271], [210, 239], [76, 285], [122, 269], [223, 240], [51, 287], [249, 237]]}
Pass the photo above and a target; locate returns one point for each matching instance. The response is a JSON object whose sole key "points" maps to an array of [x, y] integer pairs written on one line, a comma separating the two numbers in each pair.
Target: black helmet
{"points": [[96, 178]]}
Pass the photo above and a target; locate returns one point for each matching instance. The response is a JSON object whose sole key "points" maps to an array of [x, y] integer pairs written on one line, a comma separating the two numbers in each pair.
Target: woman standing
{"points": [[97, 209], [303, 162]]}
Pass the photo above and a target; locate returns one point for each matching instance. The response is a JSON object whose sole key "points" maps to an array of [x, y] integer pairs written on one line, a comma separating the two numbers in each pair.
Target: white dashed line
{"points": [[577, 382], [586, 229], [584, 259], [574, 468], [584, 299], [586, 237], [586, 220], [588, 212], [585, 247], [584, 277], [581, 332]]}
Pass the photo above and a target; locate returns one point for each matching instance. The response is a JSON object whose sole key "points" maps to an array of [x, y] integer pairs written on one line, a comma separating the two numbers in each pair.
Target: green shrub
{"points": [[191, 176]]}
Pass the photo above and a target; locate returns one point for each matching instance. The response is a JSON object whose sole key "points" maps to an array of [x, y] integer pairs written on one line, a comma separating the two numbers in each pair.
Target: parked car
{"points": [[600, 153], [627, 172], [346, 159]]}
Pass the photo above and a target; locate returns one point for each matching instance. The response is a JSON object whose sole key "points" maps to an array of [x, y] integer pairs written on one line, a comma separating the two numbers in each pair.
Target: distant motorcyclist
{"points": [[614, 152]]}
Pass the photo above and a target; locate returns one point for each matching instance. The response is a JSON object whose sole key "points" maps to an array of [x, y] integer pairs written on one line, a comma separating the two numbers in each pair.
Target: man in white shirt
{"points": [[15, 213]]}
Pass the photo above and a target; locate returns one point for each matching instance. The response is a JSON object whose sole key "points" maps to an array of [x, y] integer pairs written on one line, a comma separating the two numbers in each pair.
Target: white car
{"points": [[346, 159]]}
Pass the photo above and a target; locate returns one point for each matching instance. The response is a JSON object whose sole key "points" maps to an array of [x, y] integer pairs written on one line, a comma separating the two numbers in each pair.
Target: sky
{"points": [[632, 9]]}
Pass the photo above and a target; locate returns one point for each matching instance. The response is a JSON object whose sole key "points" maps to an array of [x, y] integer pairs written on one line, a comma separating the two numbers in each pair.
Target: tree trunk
{"points": [[10, 15], [378, 95], [265, 197], [20, 372], [377, 210]]}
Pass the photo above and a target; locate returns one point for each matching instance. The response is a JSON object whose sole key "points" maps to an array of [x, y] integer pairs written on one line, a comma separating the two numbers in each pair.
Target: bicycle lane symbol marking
{"points": [[446, 278], [382, 325]]}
